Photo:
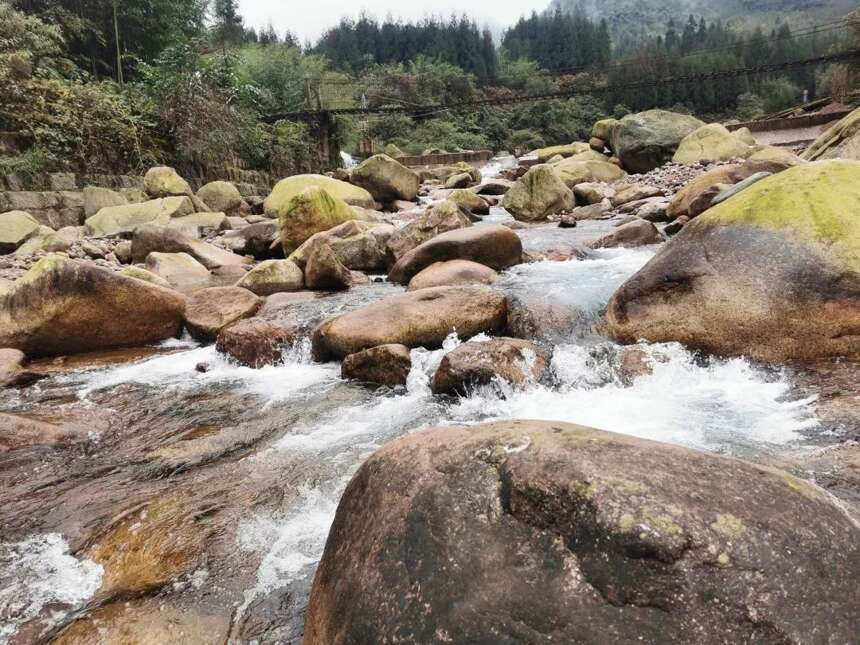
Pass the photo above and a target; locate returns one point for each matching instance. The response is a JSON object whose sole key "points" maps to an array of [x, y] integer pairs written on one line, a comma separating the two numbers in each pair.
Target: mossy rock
{"points": [[63, 306], [273, 276], [538, 194], [114, 220], [839, 141], [575, 171], [279, 199], [544, 532], [16, 227], [470, 201], [163, 181], [311, 211], [646, 140], [773, 272], [221, 197], [386, 179], [568, 150], [603, 129], [710, 143]]}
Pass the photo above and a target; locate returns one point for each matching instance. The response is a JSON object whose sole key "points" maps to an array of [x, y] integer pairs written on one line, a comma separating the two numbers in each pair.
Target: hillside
{"points": [[630, 20]]}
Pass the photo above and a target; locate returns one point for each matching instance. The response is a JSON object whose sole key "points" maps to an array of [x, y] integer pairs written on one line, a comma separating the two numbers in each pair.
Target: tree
{"points": [[228, 26]]}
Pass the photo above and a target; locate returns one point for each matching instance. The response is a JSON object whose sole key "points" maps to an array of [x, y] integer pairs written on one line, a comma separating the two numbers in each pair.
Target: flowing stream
{"points": [[271, 450]]}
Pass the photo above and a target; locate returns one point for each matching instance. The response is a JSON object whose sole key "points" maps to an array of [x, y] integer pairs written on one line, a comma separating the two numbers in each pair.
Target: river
{"points": [[250, 463]]}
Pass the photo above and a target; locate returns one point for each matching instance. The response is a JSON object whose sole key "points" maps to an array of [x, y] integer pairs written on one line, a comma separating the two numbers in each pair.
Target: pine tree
{"points": [[228, 27]]}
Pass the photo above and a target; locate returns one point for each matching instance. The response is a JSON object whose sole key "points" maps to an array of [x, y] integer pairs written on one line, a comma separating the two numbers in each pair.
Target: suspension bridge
{"points": [[321, 117]]}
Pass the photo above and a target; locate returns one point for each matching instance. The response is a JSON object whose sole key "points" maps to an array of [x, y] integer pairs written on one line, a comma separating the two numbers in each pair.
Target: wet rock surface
{"points": [[540, 531]]}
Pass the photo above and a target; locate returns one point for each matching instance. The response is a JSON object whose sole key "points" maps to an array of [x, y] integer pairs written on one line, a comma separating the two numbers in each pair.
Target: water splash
{"points": [[39, 573], [723, 405], [294, 374]]}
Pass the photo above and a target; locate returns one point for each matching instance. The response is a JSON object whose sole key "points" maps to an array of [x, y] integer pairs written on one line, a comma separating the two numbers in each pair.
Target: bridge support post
{"points": [[323, 129]]}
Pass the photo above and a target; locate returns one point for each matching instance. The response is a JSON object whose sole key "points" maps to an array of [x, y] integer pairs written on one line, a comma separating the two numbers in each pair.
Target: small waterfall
{"points": [[348, 160]]}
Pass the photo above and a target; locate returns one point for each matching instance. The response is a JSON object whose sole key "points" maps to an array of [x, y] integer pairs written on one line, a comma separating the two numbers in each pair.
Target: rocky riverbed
{"points": [[183, 489]]}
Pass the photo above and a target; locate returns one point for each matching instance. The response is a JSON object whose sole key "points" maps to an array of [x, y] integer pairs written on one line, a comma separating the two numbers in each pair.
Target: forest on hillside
{"points": [[105, 86]]}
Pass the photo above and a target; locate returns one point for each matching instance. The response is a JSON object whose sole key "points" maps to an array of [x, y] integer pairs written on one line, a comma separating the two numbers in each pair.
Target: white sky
{"points": [[308, 19]]}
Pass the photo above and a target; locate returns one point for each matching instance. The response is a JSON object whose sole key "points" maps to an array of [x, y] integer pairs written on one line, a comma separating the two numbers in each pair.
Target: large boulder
{"points": [[311, 211], [164, 239], [493, 245], [646, 140], [278, 201], [63, 306], [116, 220], [451, 273], [273, 276], [212, 309], [480, 362], [544, 532], [385, 364], [221, 197], [575, 171], [710, 143], [163, 181], [440, 218], [839, 141], [538, 194], [358, 245], [386, 179], [772, 273], [16, 227], [421, 318]]}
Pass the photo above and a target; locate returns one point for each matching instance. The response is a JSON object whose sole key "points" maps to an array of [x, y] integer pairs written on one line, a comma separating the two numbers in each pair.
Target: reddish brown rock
{"points": [[494, 246], [474, 363], [421, 318], [210, 310], [544, 532], [384, 364], [255, 342], [451, 273]]}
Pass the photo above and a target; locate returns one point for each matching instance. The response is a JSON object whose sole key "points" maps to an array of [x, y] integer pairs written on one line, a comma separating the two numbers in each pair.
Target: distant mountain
{"points": [[632, 20]]}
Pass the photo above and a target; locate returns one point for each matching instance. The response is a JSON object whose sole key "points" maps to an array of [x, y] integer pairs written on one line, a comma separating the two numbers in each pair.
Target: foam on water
{"points": [[723, 405], [295, 373], [291, 542], [585, 284], [495, 165], [39, 572]]}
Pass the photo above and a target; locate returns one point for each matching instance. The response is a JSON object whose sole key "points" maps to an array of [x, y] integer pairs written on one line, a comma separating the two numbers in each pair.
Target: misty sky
{"points": [[309, 18]]}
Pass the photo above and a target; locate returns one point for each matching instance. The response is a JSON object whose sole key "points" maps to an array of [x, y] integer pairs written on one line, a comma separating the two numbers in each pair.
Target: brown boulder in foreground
{"points": [[421, 318], [544, 532], [64, 306]]}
